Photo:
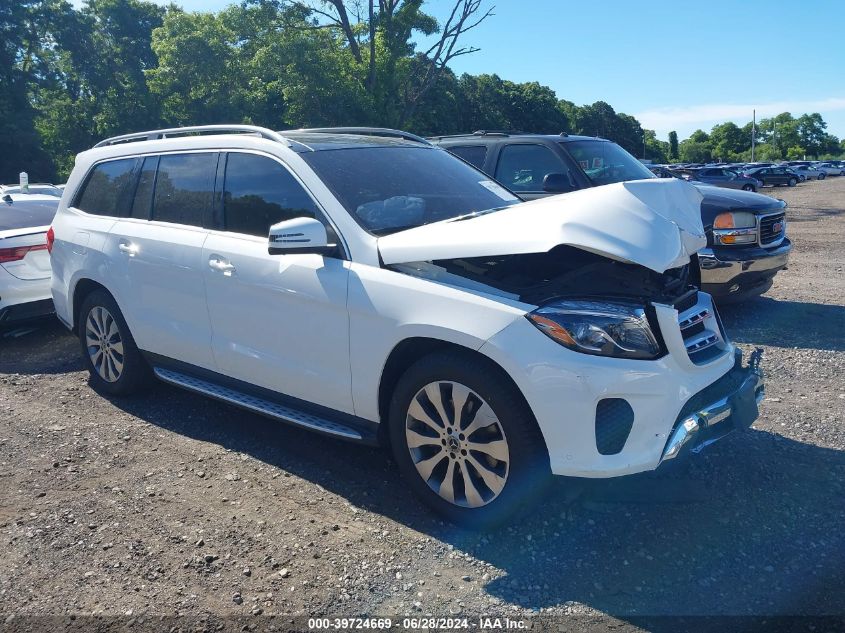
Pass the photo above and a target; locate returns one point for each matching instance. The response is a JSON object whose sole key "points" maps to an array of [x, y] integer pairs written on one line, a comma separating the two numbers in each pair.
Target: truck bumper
{"points": [[733, 274]]}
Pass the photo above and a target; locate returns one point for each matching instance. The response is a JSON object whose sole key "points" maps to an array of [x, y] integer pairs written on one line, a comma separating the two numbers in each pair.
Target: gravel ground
{"points": [[171, 504]]}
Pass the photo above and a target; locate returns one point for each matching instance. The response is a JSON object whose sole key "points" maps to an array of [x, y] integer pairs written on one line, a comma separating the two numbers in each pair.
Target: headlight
{"points": [[734, 228], [599, 328]]}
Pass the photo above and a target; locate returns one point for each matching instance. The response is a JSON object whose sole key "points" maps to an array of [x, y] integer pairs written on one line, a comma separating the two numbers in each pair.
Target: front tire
{"points": [[114, 363], [465, 440], [792, 182], [822, 176], [748, 188]]}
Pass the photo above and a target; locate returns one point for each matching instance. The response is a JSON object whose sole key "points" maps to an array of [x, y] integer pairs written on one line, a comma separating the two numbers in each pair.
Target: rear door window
{"points": [[523, 167], [103, 191], [260, 192], [475, 155], [184, 188]]}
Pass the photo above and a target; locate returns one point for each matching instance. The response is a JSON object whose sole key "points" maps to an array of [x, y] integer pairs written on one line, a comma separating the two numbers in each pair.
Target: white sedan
{"points": [[24, 261]]}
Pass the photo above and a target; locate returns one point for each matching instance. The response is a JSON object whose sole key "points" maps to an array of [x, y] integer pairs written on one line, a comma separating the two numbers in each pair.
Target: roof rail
{"points": [[364, 131], [153, 135]]}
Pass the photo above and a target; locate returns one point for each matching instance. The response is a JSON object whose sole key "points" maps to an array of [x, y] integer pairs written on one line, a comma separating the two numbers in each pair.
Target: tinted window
{"points": [[259, 192], [104, 188], [473, 154], [605, 163], [183, 189], [391, 188], [523, 167], [143, 200]]}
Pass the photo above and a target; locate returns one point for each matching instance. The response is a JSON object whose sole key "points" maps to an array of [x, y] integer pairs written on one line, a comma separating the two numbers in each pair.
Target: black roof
{"points": [[490, 136]]}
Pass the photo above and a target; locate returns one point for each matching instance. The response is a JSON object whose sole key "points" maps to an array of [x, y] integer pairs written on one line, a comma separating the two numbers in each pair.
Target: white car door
{"points": [[278, 321], [158, 257]]}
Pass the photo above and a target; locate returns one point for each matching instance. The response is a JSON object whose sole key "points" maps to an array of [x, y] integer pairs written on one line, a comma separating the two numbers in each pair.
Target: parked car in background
{"points": [[746, 232], [808, 172], [723, 177], [662, 171], [41, 188], [24, 262], [773, 176], [831, 169], [258, 268]]}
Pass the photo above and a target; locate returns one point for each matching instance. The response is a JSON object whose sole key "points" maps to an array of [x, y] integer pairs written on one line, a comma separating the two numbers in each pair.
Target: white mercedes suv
{"points": [[367, 285]]}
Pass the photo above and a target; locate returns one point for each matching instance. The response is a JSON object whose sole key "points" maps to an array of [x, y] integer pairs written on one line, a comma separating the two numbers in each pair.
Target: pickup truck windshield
{"points": [[605, 163], [390, 189]]}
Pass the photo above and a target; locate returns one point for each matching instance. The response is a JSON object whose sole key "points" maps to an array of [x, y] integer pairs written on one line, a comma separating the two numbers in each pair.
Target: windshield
{"points": [[46, 190], [605, 163], [390, 189]]}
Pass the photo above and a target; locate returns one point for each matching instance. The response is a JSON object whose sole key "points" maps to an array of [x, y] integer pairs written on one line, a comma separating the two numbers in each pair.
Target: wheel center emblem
{"points": [[453, 443]]}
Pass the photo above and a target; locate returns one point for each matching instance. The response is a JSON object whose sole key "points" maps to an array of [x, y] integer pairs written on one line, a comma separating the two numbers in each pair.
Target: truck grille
{"points": [[772, 228], [699, 327]]}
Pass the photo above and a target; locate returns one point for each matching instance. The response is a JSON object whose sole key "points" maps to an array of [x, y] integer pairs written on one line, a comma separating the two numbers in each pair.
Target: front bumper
{"points": [[728, 404], [729, 272]]}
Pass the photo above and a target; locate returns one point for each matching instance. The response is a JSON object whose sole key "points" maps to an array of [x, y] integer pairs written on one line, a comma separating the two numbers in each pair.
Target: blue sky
{"points": [[673, 65]]}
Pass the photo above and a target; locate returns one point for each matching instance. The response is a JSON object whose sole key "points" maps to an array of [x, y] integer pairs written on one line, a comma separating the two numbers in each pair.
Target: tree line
{"points": [[71, 77]]}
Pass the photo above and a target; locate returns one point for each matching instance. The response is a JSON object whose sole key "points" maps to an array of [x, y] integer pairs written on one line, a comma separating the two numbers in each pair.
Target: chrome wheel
{"points": [[104, 344], [457, 444]]}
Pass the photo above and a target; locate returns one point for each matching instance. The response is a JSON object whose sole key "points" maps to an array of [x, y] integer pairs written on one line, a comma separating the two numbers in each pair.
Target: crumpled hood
{"points": [[655, 223]]}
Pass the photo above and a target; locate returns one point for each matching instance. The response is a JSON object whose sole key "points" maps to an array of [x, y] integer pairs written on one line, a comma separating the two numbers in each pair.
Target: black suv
{"points": [[746, 232]]}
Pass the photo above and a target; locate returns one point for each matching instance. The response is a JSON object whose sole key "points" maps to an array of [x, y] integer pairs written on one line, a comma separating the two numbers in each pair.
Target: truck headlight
{"points": [[735, 228], [601, 328]]}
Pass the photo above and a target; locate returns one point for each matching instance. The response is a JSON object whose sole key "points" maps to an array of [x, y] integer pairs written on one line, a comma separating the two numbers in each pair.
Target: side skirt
{"points": [[263, 401]]}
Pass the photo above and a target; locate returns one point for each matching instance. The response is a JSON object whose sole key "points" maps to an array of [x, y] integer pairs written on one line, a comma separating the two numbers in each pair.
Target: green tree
{"points": [[728, 141], [655, 150], [691, 151], [673, 145]]}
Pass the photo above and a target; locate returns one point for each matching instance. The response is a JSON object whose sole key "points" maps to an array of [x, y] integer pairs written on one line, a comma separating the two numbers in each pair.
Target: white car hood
{"points": [[655, 223]]}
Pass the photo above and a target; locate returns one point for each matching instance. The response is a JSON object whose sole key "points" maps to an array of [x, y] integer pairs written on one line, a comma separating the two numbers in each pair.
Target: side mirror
{"points": [[299, 235], [7, 199], [557, 183]]}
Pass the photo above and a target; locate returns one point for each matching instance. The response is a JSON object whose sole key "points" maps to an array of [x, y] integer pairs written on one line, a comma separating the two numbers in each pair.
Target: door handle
{"points": [[221, 265], [127, 247]]}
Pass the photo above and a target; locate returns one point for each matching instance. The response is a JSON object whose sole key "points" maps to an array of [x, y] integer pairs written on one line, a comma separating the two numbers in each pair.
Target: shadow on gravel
{"points": [[39, 347], [780, 323], [752, 527]]}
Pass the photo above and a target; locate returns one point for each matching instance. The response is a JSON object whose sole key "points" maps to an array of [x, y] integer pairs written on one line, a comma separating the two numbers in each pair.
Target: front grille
{"points": [[700, 329], [772, 228], [614, 420]]}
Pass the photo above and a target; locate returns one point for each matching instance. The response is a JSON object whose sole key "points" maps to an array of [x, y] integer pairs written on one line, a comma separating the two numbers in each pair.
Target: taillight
{"points": [[51, 237], [17, 253]]}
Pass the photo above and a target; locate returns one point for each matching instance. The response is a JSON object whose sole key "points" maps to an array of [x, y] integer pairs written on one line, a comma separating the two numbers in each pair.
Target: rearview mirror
{"points": [[557, 183], [299, 235]]}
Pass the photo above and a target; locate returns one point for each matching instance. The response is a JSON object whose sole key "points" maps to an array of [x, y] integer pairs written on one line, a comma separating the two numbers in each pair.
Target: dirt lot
{"points": [[172, 504]]}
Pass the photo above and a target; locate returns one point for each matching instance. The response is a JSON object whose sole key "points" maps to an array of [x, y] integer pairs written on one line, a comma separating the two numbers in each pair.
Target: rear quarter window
{"points": [[103, 190], [475, 155]]}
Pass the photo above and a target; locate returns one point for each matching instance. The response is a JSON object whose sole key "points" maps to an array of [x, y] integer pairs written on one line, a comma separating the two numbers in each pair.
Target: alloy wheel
{"points": [[104, 344], [457, 444]]}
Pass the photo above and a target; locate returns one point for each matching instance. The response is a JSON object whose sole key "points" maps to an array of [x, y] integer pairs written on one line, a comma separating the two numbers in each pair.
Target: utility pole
{"points": [[753, 133]]}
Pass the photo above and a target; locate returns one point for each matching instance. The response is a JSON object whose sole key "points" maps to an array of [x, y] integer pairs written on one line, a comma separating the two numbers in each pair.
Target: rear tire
{"points": [[793, 182], [481, 463], [112, 359], [749, 188]]}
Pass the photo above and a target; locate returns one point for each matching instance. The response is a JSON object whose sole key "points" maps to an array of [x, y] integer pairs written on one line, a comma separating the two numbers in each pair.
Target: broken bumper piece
{"points": [[728, 404]]}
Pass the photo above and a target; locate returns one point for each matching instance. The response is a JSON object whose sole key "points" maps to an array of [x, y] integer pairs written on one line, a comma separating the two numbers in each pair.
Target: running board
{"points": [[258, 405]]}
